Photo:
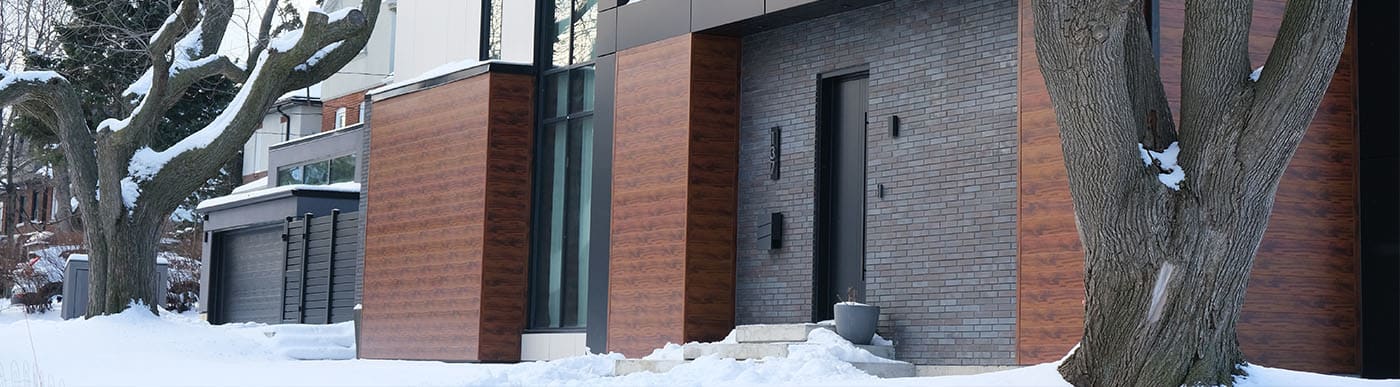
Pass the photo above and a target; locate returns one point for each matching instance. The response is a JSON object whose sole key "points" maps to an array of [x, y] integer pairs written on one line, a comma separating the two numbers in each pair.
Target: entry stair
{"points": [[312, 341], [756, 342]]}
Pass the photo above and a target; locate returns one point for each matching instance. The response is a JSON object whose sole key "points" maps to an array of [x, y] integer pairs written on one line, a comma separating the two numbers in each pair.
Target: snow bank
{"points": [[135, 348]]}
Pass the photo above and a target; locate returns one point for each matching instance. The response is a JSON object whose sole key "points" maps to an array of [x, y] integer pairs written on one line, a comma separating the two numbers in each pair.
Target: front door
{"points": [[841, 187]]}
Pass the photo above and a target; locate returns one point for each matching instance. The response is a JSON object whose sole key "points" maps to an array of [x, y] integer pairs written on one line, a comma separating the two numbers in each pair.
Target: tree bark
{"points": [[1166, 266]]}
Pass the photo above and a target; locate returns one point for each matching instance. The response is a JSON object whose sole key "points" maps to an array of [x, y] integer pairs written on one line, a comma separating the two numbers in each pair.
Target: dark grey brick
{"points": [[941, 245]]}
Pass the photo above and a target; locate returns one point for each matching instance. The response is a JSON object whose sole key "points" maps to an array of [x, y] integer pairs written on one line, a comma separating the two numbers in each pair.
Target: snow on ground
{"points": [[135, 348]]}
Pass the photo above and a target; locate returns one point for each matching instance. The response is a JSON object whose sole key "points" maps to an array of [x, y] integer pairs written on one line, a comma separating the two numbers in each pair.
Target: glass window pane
{"points": [[491, 37], [556, 99], [343, 169], [581, 198], [585, 29], [317, 173], [581, 90], [562, 21], [284, 175], [549, 258]]}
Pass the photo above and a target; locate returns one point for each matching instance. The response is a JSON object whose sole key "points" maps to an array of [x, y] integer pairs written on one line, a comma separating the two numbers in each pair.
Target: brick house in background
{"points": [[572, 174]]}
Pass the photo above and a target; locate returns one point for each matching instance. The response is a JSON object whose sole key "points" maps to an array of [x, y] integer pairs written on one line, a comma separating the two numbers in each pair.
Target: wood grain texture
{"points": [[1300, 311], [446, 162], [671, 276]]}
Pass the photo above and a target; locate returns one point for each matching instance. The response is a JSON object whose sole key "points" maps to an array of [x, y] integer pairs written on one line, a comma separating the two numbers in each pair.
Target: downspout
{"points": [[286, 124]]}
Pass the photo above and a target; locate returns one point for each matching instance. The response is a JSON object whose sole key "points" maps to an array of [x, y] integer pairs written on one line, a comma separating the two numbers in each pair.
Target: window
{"points": [[364, 109], [491, 26], [337, 170], [564, 178], [340, 118]]}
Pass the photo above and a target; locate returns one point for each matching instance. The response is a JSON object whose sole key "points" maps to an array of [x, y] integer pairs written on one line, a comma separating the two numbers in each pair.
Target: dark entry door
{"points": [[841, 192]]}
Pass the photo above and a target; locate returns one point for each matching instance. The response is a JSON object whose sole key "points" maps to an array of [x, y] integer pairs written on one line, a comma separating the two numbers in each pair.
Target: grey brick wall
{"points": [[941, 244]]}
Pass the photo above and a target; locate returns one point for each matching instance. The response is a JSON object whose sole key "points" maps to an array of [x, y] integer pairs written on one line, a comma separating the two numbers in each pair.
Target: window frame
{"points": [[540, 238]]}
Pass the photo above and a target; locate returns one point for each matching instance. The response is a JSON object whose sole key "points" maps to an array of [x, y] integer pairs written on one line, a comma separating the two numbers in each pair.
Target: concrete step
{"points": [[774, 333], [318, 353], [630, 366], [881, 370], [734, 351], [888, 370]]}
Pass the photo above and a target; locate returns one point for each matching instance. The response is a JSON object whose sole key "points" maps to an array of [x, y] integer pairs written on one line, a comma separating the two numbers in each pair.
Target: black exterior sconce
{"points": [[770, 235]]}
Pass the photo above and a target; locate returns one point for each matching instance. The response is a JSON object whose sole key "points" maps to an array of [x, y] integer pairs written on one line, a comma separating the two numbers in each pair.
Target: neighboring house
{"points": [[618, 176], [294, 116], [251, 267], [344, 92], [308, 165]]}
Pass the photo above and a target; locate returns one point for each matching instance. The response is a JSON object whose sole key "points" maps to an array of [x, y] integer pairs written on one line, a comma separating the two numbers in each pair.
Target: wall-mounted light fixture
{"points": [[770, 234], [894, 125]]}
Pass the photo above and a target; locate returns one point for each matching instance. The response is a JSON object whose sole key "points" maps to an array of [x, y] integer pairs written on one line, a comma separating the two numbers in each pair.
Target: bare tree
{"points": [[125, 189], [1170, 216]]}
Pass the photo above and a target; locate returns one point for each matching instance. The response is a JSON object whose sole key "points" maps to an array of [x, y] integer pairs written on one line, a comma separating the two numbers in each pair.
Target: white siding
{"points": [[374, 63]]}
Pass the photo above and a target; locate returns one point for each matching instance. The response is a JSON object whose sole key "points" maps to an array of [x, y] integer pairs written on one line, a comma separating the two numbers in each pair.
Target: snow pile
{"points": [[1170, 174], [827, 344]]}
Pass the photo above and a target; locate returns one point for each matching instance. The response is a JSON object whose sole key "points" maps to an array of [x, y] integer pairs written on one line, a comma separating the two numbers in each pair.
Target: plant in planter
{"points": [[855, 321]]}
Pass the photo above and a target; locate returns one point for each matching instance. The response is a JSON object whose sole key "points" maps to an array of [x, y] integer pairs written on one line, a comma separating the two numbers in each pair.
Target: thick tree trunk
{"points": [[1170, 219], [126, 260]]}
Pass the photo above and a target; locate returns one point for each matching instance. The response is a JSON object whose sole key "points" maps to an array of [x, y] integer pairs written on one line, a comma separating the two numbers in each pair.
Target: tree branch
{"points": [[1214, 62], [1295, 77], [166, 178], [264, 32]]}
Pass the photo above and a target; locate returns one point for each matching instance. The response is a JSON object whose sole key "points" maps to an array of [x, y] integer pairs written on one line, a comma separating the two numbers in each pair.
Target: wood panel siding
{"points": [[1050, 287], [1300, 311], [671, 276], [445, 163]]}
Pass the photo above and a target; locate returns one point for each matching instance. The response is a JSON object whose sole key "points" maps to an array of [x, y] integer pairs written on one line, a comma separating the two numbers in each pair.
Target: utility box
{"points": [[75, 285]]}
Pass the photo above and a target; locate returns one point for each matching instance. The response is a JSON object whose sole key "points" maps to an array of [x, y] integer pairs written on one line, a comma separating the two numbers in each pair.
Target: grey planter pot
{"points": [[856, 322]]}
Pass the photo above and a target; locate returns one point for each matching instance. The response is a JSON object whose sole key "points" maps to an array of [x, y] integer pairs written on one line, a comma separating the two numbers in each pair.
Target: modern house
{"points": [[552, 177]]}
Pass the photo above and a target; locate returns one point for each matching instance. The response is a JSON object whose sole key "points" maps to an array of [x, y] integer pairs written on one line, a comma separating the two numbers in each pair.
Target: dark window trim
{"points": [[487, 8], [821, 201], [544, 68]]}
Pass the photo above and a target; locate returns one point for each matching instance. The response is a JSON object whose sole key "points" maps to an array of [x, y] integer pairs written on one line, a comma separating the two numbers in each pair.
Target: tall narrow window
{"points": [[563, 197], [339, 118], [491, 25]]}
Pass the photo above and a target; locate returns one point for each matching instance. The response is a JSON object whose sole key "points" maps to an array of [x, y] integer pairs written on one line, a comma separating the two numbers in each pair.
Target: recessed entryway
{"points": [[840, 244]]}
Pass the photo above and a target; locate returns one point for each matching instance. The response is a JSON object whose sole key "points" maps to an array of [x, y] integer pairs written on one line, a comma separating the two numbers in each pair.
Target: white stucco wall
{"points": [[432, 33], [375, 62], [305, 120]]}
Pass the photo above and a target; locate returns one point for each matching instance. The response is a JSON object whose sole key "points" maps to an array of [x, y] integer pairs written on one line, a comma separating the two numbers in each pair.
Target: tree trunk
{"points": [[1170, 219], [126, 260]]}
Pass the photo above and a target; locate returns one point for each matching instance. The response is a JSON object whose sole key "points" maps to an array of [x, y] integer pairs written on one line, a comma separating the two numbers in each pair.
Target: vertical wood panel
{"points": [[671, 275], [439, 283], [1300, 310]]}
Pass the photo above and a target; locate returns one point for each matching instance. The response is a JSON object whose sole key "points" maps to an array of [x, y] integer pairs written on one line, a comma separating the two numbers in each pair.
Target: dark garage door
{"points": [[251, 275]]}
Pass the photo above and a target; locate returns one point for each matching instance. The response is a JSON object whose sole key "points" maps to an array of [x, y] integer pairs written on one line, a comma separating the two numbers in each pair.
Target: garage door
{"points": [[252, 275]]}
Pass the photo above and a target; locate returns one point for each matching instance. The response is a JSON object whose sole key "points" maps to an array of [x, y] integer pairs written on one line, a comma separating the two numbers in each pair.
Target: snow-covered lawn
{"points": [[137, 349]]}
